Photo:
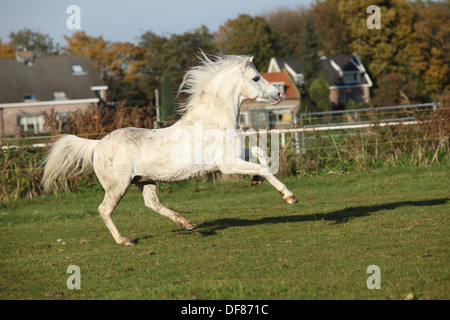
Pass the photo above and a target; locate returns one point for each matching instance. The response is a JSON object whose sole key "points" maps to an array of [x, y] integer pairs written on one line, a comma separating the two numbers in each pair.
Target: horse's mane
{"points": [[199, 76]]}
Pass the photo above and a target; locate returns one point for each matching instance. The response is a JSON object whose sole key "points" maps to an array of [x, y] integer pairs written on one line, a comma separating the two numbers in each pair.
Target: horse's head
{"points": [[255, 87], [218, 80]]}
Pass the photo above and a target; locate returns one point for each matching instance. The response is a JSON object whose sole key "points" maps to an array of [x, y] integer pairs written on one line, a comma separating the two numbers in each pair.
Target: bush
{"points": [[96, 122], [18, 175], [319, 92]]}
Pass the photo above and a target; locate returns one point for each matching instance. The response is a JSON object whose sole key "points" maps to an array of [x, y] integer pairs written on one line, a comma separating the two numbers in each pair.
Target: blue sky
{"points": [[126, 20]]}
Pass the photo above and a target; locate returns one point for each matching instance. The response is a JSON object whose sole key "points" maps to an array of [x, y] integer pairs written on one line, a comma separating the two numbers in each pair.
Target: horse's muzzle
{"points": [[278, 100]]}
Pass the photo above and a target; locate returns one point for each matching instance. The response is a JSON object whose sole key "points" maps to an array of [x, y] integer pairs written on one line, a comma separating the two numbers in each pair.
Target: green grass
{"points": [[249, 243]]}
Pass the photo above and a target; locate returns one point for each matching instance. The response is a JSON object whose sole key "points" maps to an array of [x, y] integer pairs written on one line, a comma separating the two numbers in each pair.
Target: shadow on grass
{"points": [[339, 216]]}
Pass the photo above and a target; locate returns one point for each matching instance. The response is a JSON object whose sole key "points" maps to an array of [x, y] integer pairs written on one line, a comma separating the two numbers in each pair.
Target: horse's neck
{"points": [[210, 117], [219, 108]]}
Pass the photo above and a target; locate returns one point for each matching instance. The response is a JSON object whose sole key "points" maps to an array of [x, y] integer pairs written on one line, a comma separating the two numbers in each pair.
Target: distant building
{"points": [[257, 115], [345, 73], [29, 86]]}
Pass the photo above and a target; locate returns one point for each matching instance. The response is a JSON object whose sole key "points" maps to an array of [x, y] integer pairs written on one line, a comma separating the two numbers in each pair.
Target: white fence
{"points": [[346, 114]]}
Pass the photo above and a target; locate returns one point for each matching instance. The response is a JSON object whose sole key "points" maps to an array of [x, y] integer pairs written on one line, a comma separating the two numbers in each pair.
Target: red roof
{"points": [[290, 90]]}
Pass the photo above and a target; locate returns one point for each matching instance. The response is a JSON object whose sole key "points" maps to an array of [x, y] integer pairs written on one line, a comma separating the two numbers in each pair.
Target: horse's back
{"points": [[131, 152], [118, 151]]}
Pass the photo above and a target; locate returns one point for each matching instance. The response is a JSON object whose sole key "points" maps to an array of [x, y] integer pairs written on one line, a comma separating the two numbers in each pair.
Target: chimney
{"points": [[24, 56]]}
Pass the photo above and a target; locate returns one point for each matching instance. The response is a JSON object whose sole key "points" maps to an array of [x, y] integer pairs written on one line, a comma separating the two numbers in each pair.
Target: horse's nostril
{"points": [[280, 95]]}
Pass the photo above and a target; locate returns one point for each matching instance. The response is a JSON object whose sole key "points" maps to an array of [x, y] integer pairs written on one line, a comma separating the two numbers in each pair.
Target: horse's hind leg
{"points": [[263, 159], [106, 208], [151, 199]]}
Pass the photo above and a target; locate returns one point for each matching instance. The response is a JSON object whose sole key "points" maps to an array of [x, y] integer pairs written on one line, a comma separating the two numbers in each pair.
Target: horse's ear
{"points": [[247, 62]]}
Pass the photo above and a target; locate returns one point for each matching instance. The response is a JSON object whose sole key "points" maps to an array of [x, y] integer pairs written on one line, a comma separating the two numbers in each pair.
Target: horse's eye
{"points": [[256, 79]]}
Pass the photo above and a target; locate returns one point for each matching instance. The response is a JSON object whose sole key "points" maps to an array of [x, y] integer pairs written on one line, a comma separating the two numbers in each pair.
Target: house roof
{"points": [[294, 63], [290, 89], [333, 68], [47, 75]]}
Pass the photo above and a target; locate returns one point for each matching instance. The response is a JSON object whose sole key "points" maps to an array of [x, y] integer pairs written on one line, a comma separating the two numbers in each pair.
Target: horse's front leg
{"points": [[259, 153], [241, 166]]}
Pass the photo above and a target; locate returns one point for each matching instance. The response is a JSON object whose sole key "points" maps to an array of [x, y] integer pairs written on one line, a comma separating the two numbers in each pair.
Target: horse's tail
{"points": [[65, 158]]}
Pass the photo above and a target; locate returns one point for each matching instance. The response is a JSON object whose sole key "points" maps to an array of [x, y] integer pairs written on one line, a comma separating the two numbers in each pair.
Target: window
{"points": [[243, 119], [286, 117], [60, 95], [31, 122], [351, 77], [281, 115], [29, 97], [78, 70], [259, 119], [342, 99], [298, 79]]}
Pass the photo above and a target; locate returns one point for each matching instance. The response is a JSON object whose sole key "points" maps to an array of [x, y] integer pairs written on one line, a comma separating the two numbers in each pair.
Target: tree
{"points": [[429, 59], [182, 50], [248, 35], [153, 69], [332, 35], [40, 44], [319, 92], [168, 97], [172, 55], [287, 24], [382, 50], [93, 47], [7, 50], [389, 88], [123, 64], [309, 54], [118, 63]]}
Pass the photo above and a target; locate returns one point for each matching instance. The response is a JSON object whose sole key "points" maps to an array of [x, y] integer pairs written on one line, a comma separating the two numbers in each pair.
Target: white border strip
{"points": [[47, 103]]}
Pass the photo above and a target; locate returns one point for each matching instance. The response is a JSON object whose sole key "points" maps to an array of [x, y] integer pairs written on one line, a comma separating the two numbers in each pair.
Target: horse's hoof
{"points": [[126, 241], [291, 200], [257, 180], [191, 226]]}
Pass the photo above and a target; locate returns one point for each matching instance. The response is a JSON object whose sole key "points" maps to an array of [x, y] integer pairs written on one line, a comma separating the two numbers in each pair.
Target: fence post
{"points": [[297, 146], [303, 134]]}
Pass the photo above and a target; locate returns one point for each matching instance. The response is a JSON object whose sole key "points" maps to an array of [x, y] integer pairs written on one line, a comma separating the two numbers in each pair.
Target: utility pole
{"points": [[158, 116], [2, 123]]}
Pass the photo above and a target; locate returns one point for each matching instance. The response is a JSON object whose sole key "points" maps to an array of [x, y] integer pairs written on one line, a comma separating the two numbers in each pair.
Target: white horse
{"points": [[215, 90]]}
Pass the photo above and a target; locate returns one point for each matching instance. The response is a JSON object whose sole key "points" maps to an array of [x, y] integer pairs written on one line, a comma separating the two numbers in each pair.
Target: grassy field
{"points": [[249, 243]]}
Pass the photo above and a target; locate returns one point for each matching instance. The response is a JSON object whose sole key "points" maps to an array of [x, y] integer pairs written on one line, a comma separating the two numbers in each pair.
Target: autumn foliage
{"points": [[410, 50], [98, 121]]}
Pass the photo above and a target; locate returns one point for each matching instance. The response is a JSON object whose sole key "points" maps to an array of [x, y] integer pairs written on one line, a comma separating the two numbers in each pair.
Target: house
{"points": [[345, 73], [267, 116], [29, 86]]}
